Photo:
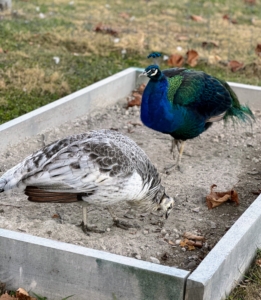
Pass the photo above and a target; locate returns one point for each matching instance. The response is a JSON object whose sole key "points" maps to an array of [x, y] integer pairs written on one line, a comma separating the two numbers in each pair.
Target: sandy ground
{"points": [[226, 156]]}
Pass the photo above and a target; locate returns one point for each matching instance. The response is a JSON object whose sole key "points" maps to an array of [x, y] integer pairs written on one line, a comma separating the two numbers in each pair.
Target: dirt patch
{"points": [[226, 156]]}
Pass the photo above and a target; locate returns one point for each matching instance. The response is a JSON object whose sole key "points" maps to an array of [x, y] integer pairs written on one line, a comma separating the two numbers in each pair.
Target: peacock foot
{"points": [[124, 225], [87, 229], [170, 169]]}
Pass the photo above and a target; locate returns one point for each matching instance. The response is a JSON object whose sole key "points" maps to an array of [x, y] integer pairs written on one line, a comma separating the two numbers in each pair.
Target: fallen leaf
{"points": [[7, 297], [141, 88], [234, 65], [228, 18], [209, 44], [175, 60], [250, 2], [192, 236], [258, 49], [192, 57], [1, 50], [136, 101], [215, 199], [197, 18], [105, 29], [169, 242], [56, 216], [187, 244]]}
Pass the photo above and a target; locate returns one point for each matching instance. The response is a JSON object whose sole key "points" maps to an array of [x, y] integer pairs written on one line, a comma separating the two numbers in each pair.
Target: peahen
{"points": [[184, 103], [100, 167]]}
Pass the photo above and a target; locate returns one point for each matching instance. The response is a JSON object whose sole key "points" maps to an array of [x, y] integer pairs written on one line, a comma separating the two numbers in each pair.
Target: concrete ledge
{"points": [[229, 259], [57, 270]]}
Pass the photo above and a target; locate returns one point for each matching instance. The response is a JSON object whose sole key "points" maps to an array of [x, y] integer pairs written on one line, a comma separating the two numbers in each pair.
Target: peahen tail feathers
{"points": [[237, 111]]}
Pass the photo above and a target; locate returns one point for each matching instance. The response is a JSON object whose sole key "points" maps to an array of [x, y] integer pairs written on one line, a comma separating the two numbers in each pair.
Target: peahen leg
{"points": [[86, 229], [121, 223]]}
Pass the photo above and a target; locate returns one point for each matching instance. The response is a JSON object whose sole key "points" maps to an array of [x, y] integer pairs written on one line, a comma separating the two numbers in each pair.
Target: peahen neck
{"points": [[155, 103]]}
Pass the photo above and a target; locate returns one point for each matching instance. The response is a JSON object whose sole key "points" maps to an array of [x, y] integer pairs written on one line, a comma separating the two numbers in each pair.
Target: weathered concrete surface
{"points": [[248, 94], [57, 270], [5, 4], [227, 262]]}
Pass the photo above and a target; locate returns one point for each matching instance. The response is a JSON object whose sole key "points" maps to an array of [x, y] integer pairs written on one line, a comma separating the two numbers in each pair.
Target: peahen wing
{"points": [[198, 91], [76, 164]]}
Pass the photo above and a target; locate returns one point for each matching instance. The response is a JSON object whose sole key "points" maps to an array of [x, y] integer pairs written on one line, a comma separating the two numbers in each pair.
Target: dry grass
{"points": [[29, 43], [250, 287]]}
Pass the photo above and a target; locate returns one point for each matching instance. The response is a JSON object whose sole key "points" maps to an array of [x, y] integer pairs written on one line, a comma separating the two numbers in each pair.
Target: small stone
{"points": [[255, 160], [183, 249], [196, 209], [213, 225], [145, 231], [178, 242], [127, 112], [137, 256], [163, 231], [154, 260], [108, 229], [191, 265]]}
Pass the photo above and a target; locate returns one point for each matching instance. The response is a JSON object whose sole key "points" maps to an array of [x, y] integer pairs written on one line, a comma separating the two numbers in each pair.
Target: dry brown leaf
{"points": [[197, 18], [21, 294], [209, 44], [227, 17], [188, 244], [169, 242], [105, 29], [1, 50], [250, 2], [192, 57], [234, 65], [56, 216], [141, 88], [191, 236], [215, 199], [136, 101], [258, 49], [175, 60], [7, 297]]}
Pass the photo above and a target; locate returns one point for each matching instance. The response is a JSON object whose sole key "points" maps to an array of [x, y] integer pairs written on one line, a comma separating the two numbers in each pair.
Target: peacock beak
{"points": [[143, 74]]}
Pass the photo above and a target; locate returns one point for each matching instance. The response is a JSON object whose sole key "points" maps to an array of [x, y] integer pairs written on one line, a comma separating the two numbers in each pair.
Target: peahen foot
{"points": [[87, 229], [123, 224]]}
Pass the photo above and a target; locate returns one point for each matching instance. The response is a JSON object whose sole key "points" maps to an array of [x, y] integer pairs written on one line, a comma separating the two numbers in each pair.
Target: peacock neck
{"points": [[155, 103]]}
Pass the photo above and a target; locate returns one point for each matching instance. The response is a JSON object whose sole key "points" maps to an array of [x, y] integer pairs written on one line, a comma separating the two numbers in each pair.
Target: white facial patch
{"points": [[153, 74]]}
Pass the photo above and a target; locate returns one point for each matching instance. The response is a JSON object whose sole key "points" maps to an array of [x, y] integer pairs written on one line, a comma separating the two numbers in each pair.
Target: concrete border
{"points": [[57, 270], [61, 269]]}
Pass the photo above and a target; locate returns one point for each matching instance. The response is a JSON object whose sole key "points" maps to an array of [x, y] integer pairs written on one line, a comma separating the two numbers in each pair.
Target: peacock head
{"points": [[153, 72], [166, 205]]}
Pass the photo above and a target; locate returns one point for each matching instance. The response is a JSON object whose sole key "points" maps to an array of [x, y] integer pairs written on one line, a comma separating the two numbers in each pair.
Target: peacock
{"points": [[100, 167], [184, 103]]}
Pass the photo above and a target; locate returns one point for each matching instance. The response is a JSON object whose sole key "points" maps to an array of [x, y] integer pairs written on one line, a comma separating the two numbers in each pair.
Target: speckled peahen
{"points": [[100, 167], [184, 103]]}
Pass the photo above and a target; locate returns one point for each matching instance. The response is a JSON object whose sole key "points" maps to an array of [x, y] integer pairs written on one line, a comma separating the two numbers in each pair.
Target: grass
{"points": [[250, 287], [29, 76]]}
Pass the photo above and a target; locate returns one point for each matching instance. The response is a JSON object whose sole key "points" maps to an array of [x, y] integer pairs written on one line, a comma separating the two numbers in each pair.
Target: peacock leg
{"points": [[181, 150], [86, 229], [121, 223], [174, 144]]}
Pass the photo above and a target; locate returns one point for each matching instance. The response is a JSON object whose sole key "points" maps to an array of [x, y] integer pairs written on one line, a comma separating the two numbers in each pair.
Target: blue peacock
{"points": [[185, 102]]}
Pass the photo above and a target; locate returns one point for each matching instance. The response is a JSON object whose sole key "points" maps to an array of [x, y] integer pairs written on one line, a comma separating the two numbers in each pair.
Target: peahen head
{"points": [[166, 205], [153, 72]]}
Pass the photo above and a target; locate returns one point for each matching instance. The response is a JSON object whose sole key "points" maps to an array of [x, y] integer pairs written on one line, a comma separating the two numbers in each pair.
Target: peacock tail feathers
{"points": [[237, 111]]}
